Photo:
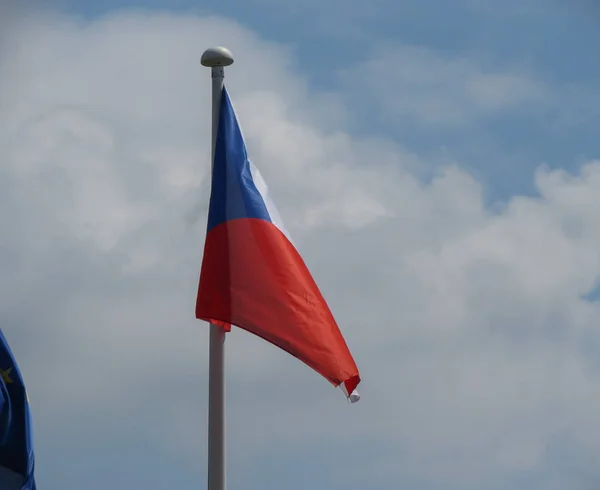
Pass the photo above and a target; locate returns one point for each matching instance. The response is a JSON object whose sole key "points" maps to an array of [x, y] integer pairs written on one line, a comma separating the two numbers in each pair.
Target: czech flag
{"points": [[253, 277]]}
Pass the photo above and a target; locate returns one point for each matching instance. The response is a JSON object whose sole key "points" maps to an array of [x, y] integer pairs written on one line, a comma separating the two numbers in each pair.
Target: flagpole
{"points": [[217, 59]]}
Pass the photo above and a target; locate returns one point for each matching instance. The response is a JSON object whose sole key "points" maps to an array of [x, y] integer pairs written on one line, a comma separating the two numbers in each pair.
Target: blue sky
{"points": [[434, 161], [550, 40]]}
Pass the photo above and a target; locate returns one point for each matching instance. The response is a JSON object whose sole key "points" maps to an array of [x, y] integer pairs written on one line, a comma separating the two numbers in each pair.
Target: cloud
{"points": [[469, 323], [430, 88]]}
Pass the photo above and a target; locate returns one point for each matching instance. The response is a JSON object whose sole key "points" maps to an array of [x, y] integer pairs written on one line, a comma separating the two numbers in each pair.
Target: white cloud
{"points": [[474, 342], [430, 88]]}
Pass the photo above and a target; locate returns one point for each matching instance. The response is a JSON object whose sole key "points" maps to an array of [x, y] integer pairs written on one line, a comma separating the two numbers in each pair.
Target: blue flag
{"points": [[16, 445]]}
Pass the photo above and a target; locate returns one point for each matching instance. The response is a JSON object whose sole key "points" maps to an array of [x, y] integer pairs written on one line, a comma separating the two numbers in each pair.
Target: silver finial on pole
{"points": [[217, 56]]}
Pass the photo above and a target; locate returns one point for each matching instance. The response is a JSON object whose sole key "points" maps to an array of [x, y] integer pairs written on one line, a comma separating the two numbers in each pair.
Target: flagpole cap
{"points": [[217, 56]]}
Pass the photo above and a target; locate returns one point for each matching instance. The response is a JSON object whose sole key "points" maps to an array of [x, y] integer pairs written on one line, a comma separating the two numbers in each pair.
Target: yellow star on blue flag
{"points": [[5, 375]]}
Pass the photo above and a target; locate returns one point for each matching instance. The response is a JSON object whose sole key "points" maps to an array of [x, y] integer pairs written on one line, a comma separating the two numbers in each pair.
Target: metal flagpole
{"points": [[216, 58]]}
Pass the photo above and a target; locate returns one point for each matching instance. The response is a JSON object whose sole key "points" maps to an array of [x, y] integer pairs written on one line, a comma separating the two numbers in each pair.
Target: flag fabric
{"points": [[16, 444], [253, 277]]}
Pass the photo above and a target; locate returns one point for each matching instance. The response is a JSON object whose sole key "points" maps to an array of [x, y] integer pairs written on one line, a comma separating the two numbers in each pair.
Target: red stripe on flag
{"points": [[253, 277]]}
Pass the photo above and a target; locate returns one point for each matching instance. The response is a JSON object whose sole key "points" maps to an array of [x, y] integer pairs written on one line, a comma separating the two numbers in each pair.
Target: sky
{"points": [[437, 165]]}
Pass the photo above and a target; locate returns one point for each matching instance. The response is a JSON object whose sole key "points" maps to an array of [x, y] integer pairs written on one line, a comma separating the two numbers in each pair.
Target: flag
{"points": [[16, 445], [253, 277]]}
